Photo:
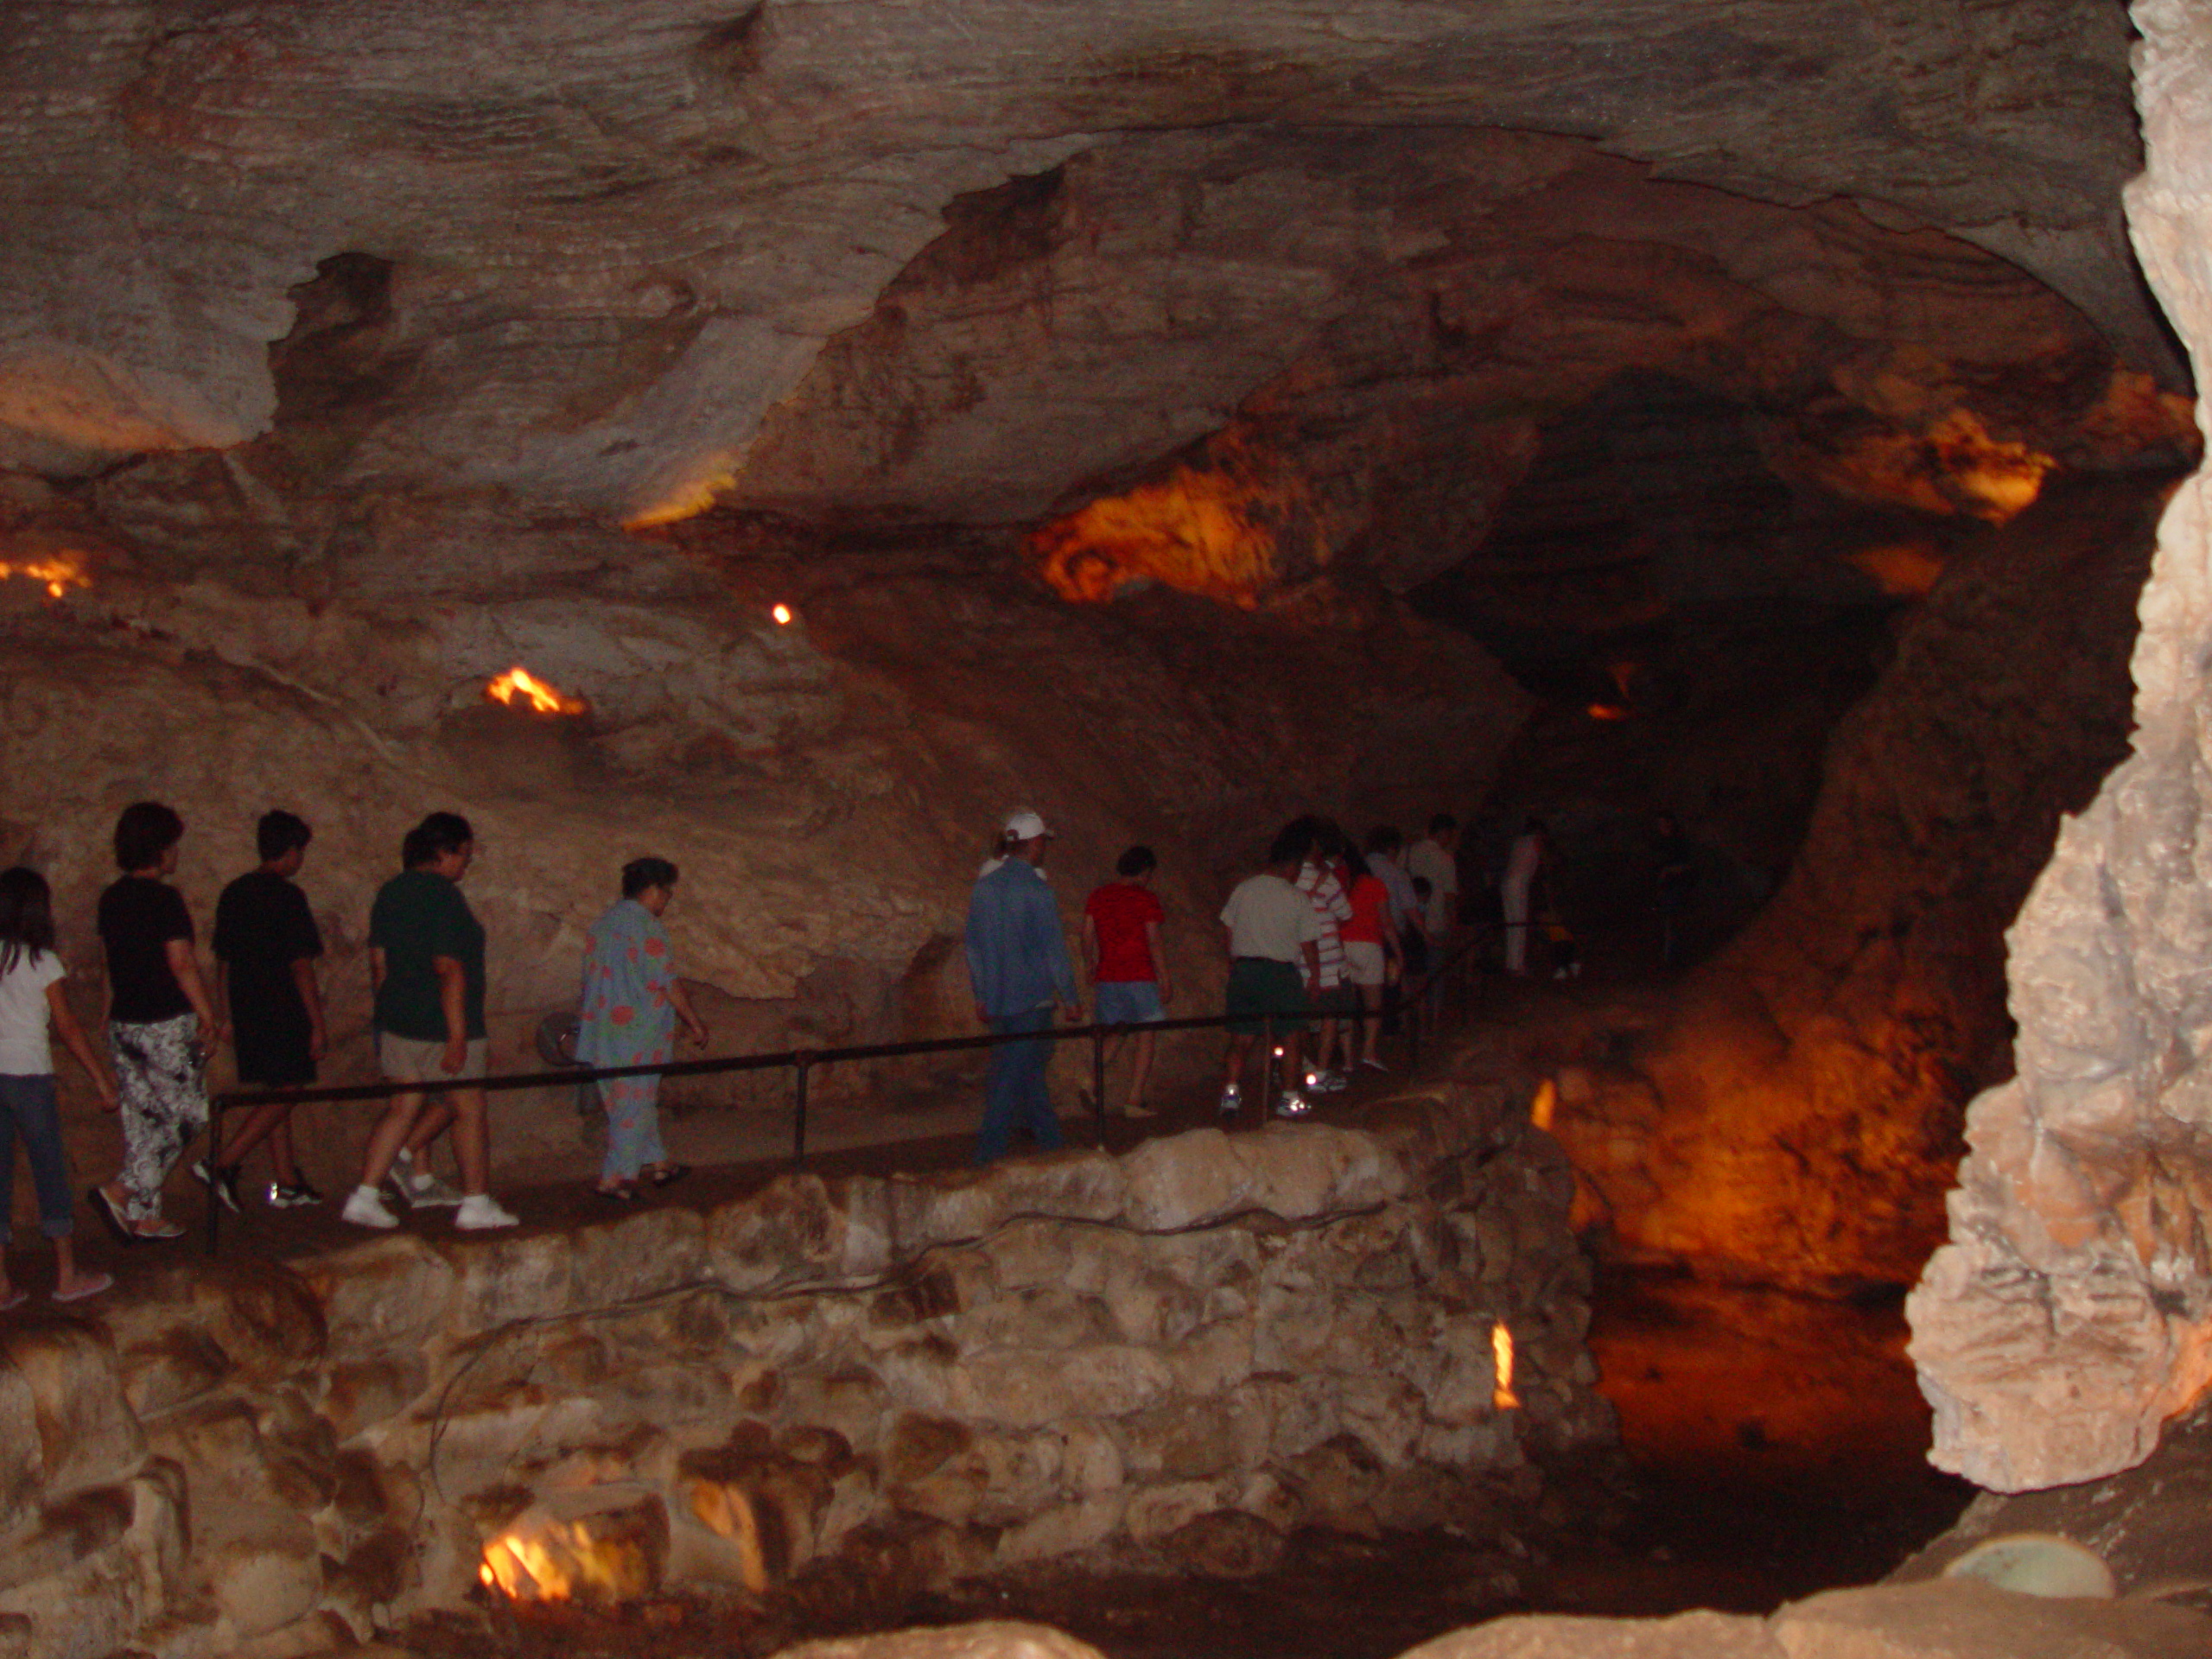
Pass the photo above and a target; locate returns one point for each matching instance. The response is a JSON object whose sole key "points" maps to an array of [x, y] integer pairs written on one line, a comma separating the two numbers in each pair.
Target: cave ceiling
{"points": [[1279, 286]]}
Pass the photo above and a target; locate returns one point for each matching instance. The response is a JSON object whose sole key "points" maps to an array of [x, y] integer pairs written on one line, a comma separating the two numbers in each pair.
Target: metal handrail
{"points": [[799, 1061]]}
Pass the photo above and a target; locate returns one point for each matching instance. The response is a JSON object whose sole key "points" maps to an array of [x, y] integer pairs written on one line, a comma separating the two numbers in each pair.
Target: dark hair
{"points": [[143, 832], [1423, 888], [1442, 822], [1291, 842], [1383, 839], [1329, 838], [1355, 863], [26, 916], [640, 874], [432, 839], [278, 832], [1135, 862]]}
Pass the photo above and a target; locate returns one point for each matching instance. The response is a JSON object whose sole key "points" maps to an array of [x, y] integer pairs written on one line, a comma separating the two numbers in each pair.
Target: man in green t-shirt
{"points": [[426, 960]]}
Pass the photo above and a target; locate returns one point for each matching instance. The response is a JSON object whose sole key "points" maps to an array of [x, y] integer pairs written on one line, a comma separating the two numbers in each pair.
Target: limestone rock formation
{"points": [[614, 240], [920, 1375], [2071, 1311]]}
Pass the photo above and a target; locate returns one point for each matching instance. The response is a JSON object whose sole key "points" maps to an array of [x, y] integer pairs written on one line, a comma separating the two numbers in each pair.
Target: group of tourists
{"points": [[165, 1020], [1318, 942]]}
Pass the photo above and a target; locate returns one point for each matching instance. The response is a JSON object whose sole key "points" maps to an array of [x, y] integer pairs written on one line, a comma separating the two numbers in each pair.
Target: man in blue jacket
{"points": [[1019, 966]]}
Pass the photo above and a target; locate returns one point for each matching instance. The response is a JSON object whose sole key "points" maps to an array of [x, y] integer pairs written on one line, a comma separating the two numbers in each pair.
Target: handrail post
{"points": [[214, 1170], [800, 1063], [1098, 1082]]}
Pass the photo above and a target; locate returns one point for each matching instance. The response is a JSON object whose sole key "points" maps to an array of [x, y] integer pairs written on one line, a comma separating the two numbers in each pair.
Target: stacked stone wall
{"points": [[1212, 1337]]}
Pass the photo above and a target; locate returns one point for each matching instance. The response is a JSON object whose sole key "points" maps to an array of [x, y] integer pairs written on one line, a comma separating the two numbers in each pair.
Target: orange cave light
{"points": [[1501, 1347], [55, 572], [1209, 529], [518, 684]]}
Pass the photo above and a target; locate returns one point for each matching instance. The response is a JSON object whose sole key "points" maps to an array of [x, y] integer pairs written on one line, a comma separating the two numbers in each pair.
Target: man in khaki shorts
{"points": [[426, 960]]}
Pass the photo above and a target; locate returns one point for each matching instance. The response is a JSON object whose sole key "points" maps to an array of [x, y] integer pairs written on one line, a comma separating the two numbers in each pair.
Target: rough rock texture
{"points": [[1939, 1620], [2071, 1312], [1798, 1115], [921, 1375], [618, 237]]}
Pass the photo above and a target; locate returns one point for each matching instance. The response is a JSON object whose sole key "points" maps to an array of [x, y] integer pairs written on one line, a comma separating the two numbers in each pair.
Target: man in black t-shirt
{"points": [[266, 946]]}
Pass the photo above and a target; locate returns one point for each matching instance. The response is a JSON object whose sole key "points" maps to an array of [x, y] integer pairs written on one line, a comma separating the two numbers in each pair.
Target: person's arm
{"points": [[1158, 962], [1313, 965], [680, 999], [453, 1002], [1091, 948], [223, 990], [184, 964], [73, 1038], [303, 975]]}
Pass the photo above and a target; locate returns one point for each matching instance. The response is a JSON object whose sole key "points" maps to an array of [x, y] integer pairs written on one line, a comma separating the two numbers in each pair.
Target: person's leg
{"points": [[1035, 1095], [629, 1104], [164, 1108], [1000, 1102], [389, 1136], [260, 1124], [1141, 1048], [1371, 1024], [8, 1130], [282, 1157], [472, 1139]]}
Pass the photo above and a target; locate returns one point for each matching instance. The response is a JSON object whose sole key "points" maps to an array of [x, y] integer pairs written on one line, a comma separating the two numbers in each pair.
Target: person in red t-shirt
{"points": [[1128, 971], [1372, 957]]}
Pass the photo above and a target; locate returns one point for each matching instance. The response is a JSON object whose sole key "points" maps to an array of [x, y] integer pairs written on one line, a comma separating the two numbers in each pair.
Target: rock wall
{"points": [[1796, 1113], [922, 1375], [2071, 1312]]}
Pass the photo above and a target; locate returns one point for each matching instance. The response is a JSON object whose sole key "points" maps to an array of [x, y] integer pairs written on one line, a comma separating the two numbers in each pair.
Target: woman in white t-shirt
{"points": [[31, 1001]]}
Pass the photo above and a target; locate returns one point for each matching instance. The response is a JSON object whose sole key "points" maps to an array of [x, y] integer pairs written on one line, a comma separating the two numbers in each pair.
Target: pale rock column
{"points": [[2071, 1312]]}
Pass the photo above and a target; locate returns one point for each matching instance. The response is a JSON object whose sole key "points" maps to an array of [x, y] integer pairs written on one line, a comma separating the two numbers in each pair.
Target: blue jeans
{"points": [[1015, 1096], [31, 1107]]}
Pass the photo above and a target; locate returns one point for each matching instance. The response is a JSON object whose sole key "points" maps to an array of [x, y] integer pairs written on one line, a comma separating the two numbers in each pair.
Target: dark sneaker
{"points": [[226, 1189], [298, 1195]]}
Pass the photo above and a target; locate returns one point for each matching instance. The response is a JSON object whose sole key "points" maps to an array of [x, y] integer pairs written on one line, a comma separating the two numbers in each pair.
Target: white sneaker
{"points": [[1232, 1101], [480, 1211], [1293, 1104], [421, 1189], [364, 1209], [1323, 1083]]}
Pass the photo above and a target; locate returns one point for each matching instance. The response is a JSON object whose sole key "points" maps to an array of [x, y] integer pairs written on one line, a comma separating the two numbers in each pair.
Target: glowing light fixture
{"points": [[1501, 1347], [1545, 1103], [57, 574], [520, 682], [783, 615]]}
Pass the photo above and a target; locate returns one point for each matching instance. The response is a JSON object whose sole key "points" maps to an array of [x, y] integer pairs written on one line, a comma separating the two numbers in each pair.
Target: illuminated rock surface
{"points": [[2071, 1312], [915, 1376]]}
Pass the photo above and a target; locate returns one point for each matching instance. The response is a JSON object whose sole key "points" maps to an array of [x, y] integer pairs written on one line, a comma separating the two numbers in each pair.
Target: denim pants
{"points": [[31, 1107], [1015, 1096]]}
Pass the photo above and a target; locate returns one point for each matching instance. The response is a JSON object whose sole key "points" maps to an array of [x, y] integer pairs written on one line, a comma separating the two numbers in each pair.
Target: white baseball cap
{"points": [[1023, 824]]}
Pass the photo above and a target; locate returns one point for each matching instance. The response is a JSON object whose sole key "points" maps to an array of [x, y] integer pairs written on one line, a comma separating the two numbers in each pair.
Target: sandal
{"points": [[156, 1229], [624, 1194], [93, 1284], [104, 1207], [14, 1299], [669, 1173]]}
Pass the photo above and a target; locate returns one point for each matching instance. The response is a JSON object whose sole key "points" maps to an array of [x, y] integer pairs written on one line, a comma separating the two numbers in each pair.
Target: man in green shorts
{"points": [[1273, 965]]}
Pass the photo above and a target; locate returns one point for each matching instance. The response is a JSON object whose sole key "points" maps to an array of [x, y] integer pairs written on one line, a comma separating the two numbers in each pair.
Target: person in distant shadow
{"points": [[1018, 967], [630, 1006], [266, 947]]}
